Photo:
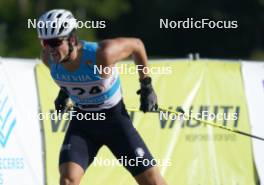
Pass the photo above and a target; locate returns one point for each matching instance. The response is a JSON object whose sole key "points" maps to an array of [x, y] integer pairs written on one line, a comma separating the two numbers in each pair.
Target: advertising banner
{"points": [[187, 152], [253, 75], [21, 159]]}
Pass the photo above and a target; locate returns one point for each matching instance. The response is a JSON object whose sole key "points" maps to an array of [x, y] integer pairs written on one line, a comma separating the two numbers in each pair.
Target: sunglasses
{"points": [[53, 43]]}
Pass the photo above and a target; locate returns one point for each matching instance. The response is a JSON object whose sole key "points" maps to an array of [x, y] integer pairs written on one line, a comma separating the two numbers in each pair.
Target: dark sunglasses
{"points": [[53, 43]]}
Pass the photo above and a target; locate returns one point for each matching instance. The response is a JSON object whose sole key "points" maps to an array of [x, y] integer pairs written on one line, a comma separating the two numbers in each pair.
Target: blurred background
{"points": [[139, 18]]}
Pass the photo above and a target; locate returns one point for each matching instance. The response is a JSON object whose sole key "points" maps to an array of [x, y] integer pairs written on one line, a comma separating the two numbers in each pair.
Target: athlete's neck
{"points": [[74, 60]]}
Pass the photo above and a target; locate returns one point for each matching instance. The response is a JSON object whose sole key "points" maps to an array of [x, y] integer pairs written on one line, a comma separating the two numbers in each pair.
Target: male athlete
{"points": [[71, 63]]}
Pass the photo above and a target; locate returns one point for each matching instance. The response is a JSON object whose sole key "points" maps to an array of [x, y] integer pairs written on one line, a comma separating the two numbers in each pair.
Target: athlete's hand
{"points": [[148, 98], [61, 101]]}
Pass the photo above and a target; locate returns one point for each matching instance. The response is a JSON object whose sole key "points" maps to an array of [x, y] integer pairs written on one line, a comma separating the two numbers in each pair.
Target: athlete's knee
{"points": [[69, 180], [150, 177], [70, 174]]}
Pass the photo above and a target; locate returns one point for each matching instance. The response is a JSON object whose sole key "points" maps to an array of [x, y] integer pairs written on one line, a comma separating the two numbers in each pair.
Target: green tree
{"points": [[17, 40]]}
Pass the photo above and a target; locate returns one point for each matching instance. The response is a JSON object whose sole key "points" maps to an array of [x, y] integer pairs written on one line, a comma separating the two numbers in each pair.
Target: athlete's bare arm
{"points": [[111, 51]]}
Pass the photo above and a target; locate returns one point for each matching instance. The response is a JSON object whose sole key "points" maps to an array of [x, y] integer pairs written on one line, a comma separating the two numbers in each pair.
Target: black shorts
{"points": [[85, 137]]}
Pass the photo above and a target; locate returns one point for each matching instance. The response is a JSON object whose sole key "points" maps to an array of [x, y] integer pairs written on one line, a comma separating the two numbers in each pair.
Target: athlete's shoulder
{"points": [[87, 45]]}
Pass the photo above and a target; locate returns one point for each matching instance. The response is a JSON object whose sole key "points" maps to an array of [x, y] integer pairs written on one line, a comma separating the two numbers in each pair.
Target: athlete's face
{"points": [[58, 48]]}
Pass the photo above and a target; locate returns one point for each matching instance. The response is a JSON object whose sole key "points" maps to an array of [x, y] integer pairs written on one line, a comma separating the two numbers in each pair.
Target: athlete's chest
{"points": [[82, 83]]}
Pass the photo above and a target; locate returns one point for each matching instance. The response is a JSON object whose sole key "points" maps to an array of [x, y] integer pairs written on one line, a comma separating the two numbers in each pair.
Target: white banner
{"points": [[20, 134], [253, 75]]}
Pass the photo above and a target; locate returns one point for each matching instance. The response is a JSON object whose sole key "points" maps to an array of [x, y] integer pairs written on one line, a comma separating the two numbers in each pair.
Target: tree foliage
{"points": [[141, 19]]}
